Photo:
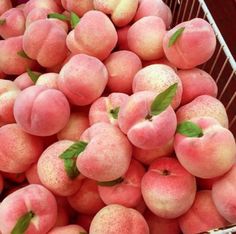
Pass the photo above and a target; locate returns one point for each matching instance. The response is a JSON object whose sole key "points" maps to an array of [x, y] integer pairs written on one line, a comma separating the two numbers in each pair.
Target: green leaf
{"points": [[111, 183], [23, 54], [175, 36], [163, 100], [74, 20], [71, 169], [189, 129], [23, 223], [33, 75], [2, 21], [57, 16], [114, 112]]}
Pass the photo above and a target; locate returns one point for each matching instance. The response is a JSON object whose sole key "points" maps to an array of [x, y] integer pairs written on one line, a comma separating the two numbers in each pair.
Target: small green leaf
{"points": [[33, 75], [175, 36], [23, 54], [57, 16], [163, 100], [189, 129], [2, 21], [71, 169], [23, 223], [74, 20], [111, 183], [114, 112]]}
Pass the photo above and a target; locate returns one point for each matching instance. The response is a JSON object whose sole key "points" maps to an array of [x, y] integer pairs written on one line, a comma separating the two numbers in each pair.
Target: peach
{"points": [[80, 7], [223, 191], [23, 81], [145, 37], [196, 82], [42, 110], [48, 80], [193, 47], [77, 124], [115, 219], [5, 5], [69, 229], [52, 170], [1, 183], [214, 148], [154, 8], [157, 78], [197, 220], [144, 130], [167, 188], [35, 204], [158, 225], [106, 109], [203, 106], [47, 46], [14, 23], [11, 62], [121, 11], [32, 175], [122, 43], [83, 79], [107, 155], [18, 149], [8, 93], [95, 27], [120, 75], [86, 200], [148, 156], [128, 191], [2, 75]]}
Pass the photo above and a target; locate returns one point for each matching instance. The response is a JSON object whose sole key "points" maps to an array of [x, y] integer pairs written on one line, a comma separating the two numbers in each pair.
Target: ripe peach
{"points": [[23, 81], [18, 149], [48, 80], [196, 82], [203, 106], [42, 110], [36, 202], [194, 46], [197, 220], [145, 37], [32, 175], [5, 5], [106, 109], [115, 218], [167, 188], [157, 78], [122, 43], [69, 229], [121, 76]]}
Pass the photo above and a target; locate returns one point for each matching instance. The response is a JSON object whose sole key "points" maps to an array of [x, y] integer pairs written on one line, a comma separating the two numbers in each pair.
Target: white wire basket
{"points": [[221, 66]]}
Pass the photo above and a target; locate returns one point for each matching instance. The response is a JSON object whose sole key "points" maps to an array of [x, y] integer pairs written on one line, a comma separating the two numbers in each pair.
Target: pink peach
{"points": [[69, 229], [5, 5], [23, 81], [48, 80], [32, 175]]}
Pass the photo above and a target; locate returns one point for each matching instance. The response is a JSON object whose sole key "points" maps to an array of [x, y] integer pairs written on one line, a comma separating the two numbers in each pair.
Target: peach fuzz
{"points": [[115, 218], [198, 38], [47, 46], [157, 78], [83, 79], [23, 81], [95, 27], [32, 198], [8, 94], [216, 149], [202, 216], [148, 156], [121, 11], [154, 8], [223, 191], [80, 7], [52, 173], [86, 200], [158, 225], [121, 76], [69, 229], [48, 80], [1, 183], [32, 175], [145, 133], [196, 82], [14, 24], [42, 110], [107, 155], [203, 106], [13, 63], [128, 192], [145, 37], [76, 125], [18, 149], [106, 109], [167, 188], [122, 43], [5, 5]]}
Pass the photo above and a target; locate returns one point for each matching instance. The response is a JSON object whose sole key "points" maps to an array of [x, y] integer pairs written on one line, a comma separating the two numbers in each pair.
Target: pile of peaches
{"points": [[107, 126]]}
